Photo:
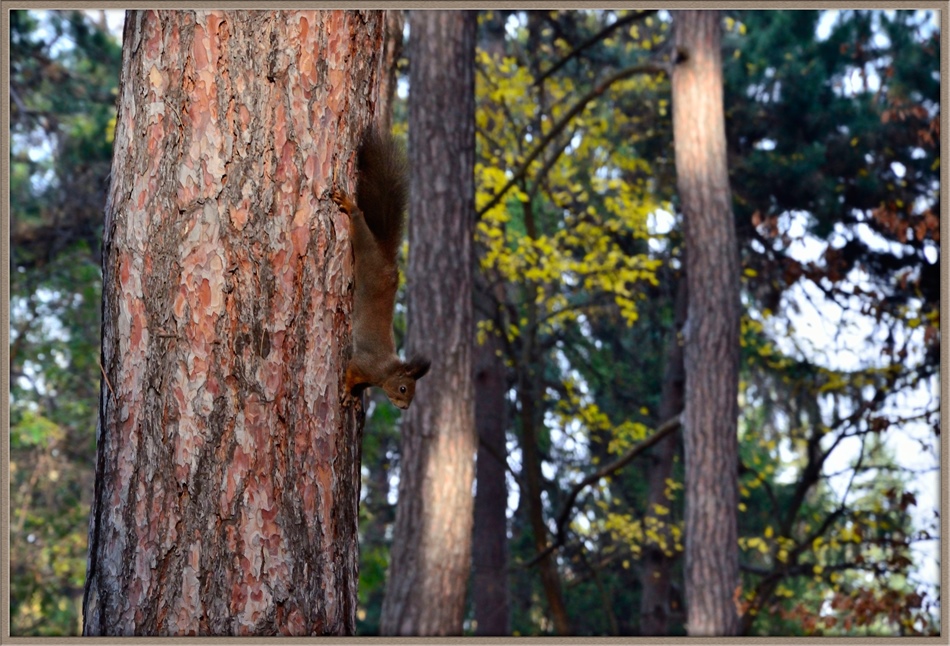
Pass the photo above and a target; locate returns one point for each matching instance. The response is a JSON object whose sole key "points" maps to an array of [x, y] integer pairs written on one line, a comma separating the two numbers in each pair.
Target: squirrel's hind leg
{"points": [[344, 201], [360, 234]]}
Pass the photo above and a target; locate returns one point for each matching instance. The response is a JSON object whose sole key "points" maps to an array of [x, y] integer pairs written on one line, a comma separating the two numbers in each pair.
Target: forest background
{"points": [[832, 122]]}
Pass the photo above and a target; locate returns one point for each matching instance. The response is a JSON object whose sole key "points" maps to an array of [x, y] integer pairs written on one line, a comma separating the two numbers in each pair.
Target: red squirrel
{"points": [[377, 218]]}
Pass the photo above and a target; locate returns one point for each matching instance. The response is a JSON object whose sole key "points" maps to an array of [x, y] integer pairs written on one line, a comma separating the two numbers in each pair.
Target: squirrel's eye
{"points": [[402, 389]]}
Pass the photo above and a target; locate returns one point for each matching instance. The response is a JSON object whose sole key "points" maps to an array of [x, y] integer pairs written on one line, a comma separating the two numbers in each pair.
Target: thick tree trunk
{"points": [[712, 329], [490, 537], [657, 562], [430, 558], [228, 456]]}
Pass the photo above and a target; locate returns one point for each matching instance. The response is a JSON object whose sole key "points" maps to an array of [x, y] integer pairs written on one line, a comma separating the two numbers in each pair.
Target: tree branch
{"points": [[603, 86], [603, 33], [492, 451], [662, 431]]}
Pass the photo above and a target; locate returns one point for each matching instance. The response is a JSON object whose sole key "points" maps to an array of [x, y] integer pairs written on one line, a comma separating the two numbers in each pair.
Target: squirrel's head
{"points": [[400, 386]]}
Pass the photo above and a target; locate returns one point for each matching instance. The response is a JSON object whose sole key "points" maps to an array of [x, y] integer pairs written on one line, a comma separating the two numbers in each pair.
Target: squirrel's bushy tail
{"points": [[382, 190]]}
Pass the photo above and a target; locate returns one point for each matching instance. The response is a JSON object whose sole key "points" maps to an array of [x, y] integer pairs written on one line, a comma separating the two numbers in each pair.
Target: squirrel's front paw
{"points": [[354, 379]]}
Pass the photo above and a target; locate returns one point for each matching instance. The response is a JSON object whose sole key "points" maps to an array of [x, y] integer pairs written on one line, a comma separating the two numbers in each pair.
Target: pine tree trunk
{"points": [[430, 558], [228, 456], [712, 329]]}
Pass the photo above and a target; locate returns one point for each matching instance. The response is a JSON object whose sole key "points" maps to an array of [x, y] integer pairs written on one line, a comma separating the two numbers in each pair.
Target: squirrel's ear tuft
{"points": [[417, 367]]}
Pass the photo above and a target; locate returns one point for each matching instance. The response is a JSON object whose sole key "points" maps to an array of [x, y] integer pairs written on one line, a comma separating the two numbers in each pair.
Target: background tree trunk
{"points": [[490, 537], [388, 78], [657, 573], [430, 558], [712, 329], [528, 395], [490, 581], [228, 460]]}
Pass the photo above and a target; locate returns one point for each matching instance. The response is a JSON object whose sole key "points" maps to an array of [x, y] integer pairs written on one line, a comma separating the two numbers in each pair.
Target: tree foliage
{"points": [[836, 170], [63, 74], [793, 109]]}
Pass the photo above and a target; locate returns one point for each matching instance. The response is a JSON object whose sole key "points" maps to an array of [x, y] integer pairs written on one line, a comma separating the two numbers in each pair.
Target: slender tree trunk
{"points": [[712, 329], [547, 566], [392, 50], [431, 554], [490, 538], [228, 466], [657, 562], [490, 581], [528, 395]]}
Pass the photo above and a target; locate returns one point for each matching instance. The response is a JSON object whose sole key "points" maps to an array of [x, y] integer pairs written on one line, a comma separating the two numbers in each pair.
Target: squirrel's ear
{"points": [[417, 367]]}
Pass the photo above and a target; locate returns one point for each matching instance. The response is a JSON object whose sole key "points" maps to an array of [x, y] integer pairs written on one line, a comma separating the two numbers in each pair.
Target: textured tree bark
{"points": [[712, 329], [490, 535], [657, 564], [430, 558], [228, 456]]}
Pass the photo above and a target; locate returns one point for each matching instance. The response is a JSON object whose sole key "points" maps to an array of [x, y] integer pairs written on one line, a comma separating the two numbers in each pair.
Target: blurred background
{"points": [[833, 132]]}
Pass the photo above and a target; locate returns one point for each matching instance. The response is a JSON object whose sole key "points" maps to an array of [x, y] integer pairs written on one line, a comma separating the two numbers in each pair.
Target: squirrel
{"points": [[377, 218]]}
